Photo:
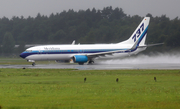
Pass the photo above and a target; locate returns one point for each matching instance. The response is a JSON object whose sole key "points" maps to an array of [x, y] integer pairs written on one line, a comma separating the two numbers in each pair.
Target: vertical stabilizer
{"points": [[139, 34]]}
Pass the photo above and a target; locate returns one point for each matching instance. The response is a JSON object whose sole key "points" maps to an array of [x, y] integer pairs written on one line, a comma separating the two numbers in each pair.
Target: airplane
{"points": [[87, 53]]}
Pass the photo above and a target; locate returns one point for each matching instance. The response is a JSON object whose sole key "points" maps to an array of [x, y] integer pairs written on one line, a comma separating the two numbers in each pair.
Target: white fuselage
{"points": [[66, 52]]}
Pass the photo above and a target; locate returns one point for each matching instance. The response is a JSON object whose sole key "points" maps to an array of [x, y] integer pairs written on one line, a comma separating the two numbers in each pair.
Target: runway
{"points": [[156, 61], [96, 66]]}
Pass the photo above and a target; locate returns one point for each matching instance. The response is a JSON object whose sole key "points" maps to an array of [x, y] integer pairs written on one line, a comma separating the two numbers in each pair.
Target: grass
{"points": [[65, 88]]}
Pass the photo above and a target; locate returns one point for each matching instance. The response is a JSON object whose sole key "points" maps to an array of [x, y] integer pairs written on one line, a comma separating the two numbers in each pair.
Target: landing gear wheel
{"points": [[81, 63], [91, 62], [33, 64]]}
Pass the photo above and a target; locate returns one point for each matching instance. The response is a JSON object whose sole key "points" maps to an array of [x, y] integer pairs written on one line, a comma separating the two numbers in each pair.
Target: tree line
{"points": [[85, 26]]}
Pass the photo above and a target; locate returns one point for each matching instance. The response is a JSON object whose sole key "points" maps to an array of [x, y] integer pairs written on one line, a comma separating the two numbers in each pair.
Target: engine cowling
{"points": [[80, 59]]}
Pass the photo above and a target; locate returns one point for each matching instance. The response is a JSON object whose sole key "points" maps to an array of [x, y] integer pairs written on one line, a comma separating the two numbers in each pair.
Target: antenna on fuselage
{"points": [[73, 43]]}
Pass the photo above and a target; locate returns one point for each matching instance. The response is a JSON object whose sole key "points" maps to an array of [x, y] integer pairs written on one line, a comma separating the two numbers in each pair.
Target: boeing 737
{"points": [[87, 53]]}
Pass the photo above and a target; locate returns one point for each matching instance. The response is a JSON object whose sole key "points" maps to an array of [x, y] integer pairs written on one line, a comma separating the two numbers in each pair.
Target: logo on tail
{"points": [[138, 32]]}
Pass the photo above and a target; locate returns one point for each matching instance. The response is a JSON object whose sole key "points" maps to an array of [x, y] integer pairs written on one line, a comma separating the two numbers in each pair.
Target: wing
{"points": [[112, 52], [104, 53]]}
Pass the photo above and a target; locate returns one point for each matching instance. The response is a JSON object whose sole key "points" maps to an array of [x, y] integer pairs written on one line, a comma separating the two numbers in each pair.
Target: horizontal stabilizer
{"points": [[149, 45]]}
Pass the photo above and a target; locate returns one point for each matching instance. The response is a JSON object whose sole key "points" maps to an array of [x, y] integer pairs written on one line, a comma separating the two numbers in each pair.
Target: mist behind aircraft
{"points": [[152, 58]]}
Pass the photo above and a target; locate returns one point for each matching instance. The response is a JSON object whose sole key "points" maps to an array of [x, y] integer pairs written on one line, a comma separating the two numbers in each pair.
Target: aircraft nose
{"points": [[22, 55]]}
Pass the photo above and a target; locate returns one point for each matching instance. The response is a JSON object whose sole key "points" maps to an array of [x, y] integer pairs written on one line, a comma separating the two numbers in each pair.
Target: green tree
{"points": [[0, 48], [58, 37], [21, 47], [88, 26], [8, 44]]}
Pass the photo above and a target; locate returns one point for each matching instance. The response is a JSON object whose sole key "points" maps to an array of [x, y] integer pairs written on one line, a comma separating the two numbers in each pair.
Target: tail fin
{"points": [[139, 34]]}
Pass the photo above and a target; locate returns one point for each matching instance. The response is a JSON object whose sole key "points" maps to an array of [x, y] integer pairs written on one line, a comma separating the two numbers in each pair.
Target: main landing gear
{"points": [[91, 62], [81, 63]]}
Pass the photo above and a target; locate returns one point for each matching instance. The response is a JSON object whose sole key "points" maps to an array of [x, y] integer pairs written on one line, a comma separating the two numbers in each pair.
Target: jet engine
{"points": [[81, 59]]}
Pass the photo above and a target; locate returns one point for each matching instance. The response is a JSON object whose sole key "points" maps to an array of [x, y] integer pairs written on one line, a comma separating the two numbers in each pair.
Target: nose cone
{"points": [[22, 55]]}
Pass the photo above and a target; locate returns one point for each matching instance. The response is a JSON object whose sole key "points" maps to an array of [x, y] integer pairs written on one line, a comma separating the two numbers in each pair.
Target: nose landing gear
{"points": [[33, 64]]}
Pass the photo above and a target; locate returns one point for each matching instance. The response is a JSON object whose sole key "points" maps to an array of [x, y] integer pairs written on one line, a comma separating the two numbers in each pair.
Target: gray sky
{"points": [[10, 8]]}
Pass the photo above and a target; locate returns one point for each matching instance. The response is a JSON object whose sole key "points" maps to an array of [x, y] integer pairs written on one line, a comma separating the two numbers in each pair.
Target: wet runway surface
{"points": [[98, 66], [154, 61]]}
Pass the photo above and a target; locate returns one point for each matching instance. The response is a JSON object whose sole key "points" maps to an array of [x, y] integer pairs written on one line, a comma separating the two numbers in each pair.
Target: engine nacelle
{"points": [[80, 59]]}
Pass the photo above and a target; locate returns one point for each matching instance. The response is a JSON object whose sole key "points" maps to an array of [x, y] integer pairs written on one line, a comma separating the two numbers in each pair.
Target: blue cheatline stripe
{"points": [[25, 54]]}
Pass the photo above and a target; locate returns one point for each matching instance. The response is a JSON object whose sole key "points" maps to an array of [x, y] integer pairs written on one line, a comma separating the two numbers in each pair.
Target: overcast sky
{"points": [[10, 8]]}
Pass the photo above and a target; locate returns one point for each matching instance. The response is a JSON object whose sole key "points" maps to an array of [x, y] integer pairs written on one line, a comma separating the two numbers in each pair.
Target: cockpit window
{"points": [[28, 51]]}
